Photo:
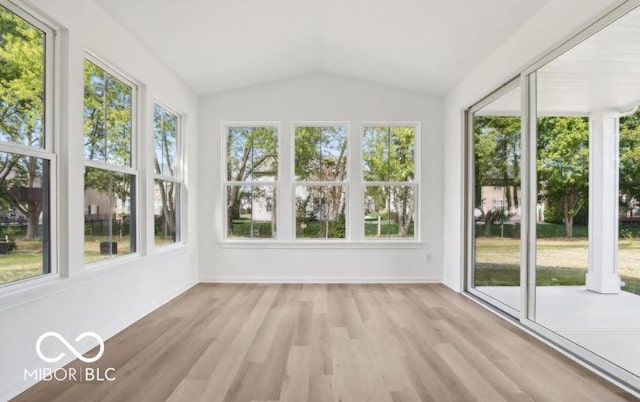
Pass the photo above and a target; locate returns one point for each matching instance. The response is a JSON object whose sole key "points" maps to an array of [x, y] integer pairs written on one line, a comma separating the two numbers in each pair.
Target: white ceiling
{"points": [[601, 73], [423, 45]]}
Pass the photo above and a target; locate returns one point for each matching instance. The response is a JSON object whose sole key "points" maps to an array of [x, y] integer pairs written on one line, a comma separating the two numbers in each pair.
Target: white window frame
{"points": [[346, 183], [415, 184], [130, 170], [177, 178], [226, 183], [47, 149]]}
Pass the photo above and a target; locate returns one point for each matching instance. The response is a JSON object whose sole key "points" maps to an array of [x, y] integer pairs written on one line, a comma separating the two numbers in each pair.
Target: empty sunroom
{"points": [[310, 201]]}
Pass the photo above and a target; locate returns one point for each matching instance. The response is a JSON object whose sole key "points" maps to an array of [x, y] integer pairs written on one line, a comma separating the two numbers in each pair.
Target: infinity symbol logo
{"points": [[69, 346]]}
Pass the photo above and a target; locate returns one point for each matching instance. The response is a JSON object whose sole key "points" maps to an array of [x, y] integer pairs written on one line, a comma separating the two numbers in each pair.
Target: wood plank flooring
{"points": [[252, 342]]}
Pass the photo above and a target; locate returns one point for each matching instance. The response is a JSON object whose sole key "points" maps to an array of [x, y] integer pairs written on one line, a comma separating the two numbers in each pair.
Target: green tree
{"points": [[107, 136], [22, 116], [107, 117], [320, 155], [563, 164], [388, 155], [630, 158], [252, 155], [165, 136], [497, 156]]}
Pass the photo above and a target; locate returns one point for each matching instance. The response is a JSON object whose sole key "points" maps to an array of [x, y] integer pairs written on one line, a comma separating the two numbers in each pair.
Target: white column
{"points": [[603, 202]]}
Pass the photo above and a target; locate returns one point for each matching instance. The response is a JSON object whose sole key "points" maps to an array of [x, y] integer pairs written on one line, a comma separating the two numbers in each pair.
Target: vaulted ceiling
{"points": [[423, 45]]}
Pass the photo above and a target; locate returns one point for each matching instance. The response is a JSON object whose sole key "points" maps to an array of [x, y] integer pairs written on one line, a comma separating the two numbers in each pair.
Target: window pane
{"points": [[110, 216], [389, 211], [251, 211], [107, 117], [24, 217], [22, 78], [252, 154], [321, 153], [320, 212], [166, 207], [165, 133], [388, 154], [497, 199]]}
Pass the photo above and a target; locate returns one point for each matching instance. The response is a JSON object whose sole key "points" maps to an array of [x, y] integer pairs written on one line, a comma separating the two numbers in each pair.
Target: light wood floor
{"points": [[329, 343]]}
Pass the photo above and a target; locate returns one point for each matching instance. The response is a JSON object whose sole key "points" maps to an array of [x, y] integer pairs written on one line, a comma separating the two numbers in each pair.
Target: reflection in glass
{"points": [[109, 214], [388, 154], [251, 211], [320, 153], [24, 217], [107, 117], [389, 211], [497, 199], [22, 67], [166, 196], [320, 212], [165, 141]]}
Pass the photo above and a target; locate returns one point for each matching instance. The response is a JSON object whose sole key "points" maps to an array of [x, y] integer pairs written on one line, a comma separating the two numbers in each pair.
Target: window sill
{"points": [[323, 244]]}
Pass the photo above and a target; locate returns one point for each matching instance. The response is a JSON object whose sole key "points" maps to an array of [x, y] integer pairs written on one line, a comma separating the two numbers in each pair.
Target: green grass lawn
{"points": [[244, 228], [318, 230], [560, 262], [92, 248], [386, 230]]}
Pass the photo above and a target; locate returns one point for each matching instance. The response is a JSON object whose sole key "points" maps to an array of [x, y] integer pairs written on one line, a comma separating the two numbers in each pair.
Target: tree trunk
{"points": [[33, 218], [233, 206], [403, 218], [568, 218]]}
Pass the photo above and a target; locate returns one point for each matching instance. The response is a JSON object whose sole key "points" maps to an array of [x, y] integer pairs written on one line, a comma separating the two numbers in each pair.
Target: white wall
{"points": [[102, 299], [317, 97], [554, 24]]}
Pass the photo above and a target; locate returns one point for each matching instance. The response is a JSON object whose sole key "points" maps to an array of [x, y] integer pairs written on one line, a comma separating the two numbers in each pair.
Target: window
{"points": [[167, 184], [251, 179], [110, 175], [26, 151], [389, 164], [320, 189]]}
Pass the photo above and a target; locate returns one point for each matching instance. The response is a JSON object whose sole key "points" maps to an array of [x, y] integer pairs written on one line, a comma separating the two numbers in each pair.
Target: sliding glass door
{"points": [[496, 199], [553, 196]]}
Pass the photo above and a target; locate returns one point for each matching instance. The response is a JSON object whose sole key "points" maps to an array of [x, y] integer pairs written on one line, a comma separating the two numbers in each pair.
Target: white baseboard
{"points": [[321, 279]]}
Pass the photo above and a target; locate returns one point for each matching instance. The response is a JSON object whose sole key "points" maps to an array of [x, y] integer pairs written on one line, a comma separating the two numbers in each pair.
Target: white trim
{"points": [[385, 243], [323, 280], [110, 167]]}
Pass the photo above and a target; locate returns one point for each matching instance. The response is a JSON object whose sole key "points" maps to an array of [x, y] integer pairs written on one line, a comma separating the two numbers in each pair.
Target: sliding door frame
{"points": [[469, 201], [526, 80]]}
